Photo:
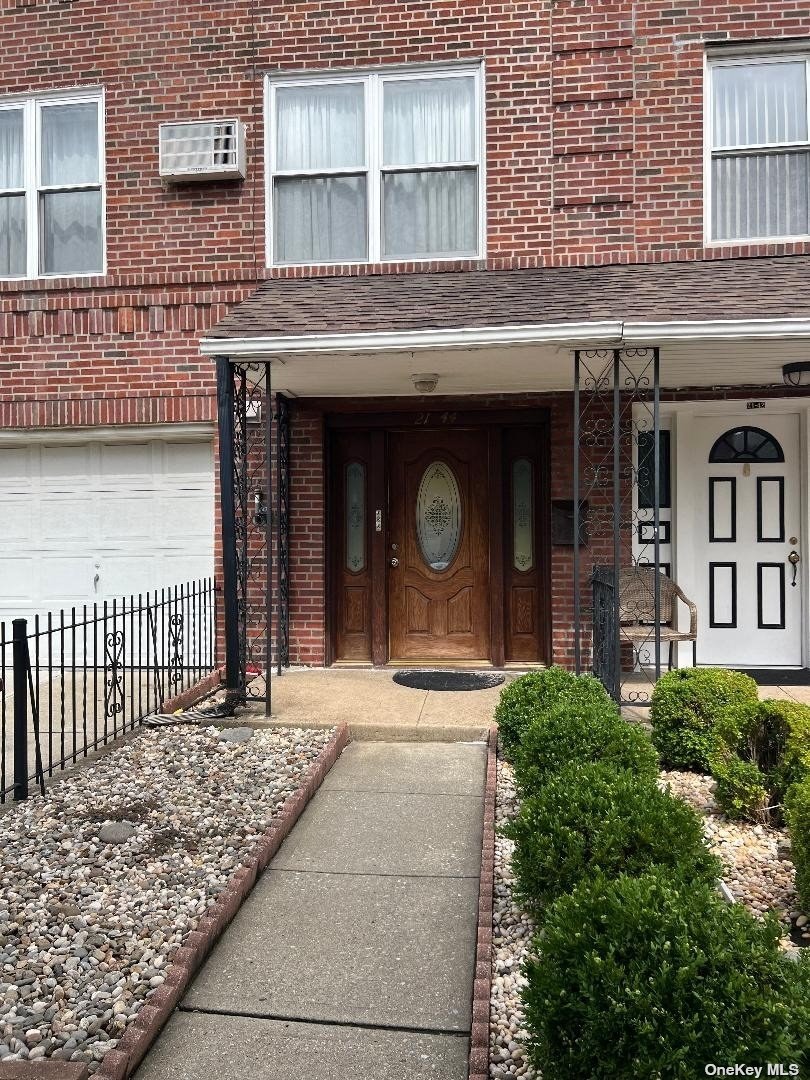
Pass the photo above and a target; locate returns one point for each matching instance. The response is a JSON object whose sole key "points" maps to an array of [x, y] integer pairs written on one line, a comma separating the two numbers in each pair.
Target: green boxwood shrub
{"points": [[574, 732], [644, 978], [740, 787], [685, 705], [591, 819], [758, 751], [797, 811], [535, 693]]}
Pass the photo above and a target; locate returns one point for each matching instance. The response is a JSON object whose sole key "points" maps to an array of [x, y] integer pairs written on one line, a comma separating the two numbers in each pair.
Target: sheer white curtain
{"points": [[765, 193], [430, 213], [320, 218], [12, 207], [70, 221], [320, 127], [70, 232], [69, 145], [429, 122]]}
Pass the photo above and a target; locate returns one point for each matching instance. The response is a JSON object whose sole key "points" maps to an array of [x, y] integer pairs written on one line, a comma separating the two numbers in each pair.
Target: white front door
{"points": [[747, 519]]}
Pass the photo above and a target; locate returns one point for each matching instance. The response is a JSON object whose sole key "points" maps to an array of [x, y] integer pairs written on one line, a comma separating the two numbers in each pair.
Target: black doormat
{"points": [[778, 676], [420, 679]]}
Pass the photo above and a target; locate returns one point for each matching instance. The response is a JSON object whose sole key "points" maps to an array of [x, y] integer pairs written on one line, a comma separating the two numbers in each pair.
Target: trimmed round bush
{"points": [[797, 812], [590, 819], [758, 751], [740, 789], [685, 706], [574, 732], [645, 978], [535, 693]]}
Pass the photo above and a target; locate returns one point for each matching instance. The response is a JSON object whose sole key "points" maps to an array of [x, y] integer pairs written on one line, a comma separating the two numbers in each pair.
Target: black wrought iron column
{"points": [[617, 454], [283, 531], [225, 413]]}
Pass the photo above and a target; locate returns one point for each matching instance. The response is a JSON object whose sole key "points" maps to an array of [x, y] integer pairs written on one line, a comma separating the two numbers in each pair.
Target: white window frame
{"points": [[373, 83], [31, 106], [710, 151]]}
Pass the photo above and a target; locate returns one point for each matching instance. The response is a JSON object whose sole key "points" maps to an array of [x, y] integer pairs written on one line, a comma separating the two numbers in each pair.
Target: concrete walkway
{"points": [[354, 955]]}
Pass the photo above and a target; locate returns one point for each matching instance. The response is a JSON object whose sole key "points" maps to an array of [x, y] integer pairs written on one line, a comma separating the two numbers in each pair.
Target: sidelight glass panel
{"points": [[355, 517], [438, 516], [522, 514]]}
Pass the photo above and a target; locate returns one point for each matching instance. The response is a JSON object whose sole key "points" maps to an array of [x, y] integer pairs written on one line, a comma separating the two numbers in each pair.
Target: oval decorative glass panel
{"points": [[438, 515], [522, 514], [355, 517]]}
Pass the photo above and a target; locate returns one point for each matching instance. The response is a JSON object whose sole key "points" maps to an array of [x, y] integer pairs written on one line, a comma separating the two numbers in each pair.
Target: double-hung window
{"points": [[759, 148], [375, 167], [51, 186]]}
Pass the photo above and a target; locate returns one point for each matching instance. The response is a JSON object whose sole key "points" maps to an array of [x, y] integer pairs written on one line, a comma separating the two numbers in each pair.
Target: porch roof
{"points": [[752, 297]]}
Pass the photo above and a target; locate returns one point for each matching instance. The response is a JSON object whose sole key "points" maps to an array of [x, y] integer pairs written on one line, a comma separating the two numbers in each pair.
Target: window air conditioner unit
{"points": [[203, 150]]}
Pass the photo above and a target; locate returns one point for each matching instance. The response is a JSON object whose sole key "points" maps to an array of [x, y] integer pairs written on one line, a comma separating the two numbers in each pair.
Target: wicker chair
{"points": [[637, 610]]}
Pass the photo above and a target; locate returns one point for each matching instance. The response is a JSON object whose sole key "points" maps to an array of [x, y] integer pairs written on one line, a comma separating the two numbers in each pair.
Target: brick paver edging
{"points": [[479, 1032], [145, 1028], [194, 693]]}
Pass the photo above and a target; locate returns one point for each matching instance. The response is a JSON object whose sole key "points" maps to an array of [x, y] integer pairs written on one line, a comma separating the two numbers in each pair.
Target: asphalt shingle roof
{"points": [[755, 288]]}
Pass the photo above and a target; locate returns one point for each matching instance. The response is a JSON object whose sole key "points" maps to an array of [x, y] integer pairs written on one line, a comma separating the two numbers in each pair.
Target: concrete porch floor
{"points": [[374, 706]]}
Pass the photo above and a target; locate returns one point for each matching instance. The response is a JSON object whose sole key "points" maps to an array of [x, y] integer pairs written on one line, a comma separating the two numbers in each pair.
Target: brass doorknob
{"points": [[395, 561]]}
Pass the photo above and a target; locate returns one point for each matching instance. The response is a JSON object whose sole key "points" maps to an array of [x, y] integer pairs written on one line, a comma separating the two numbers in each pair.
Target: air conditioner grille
{"points": [[204, 149]]}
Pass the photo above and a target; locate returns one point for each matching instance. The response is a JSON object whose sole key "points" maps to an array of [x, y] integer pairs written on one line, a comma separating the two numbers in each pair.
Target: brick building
{"points": [[442, 202]]}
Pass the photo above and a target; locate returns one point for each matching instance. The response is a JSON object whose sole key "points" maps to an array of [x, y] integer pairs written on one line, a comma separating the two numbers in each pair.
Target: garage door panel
{"points": [[67, 461], [127, 517], [65, 579], [66, 517], [180, 515], [16, 520], [15, 464], [185, 566], [126, 459], [139, 514], [184, 458], [18, 583]]}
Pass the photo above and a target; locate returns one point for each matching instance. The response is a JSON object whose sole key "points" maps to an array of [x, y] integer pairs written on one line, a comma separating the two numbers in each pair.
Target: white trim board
{"points": [[608, 333], [202, 432]]}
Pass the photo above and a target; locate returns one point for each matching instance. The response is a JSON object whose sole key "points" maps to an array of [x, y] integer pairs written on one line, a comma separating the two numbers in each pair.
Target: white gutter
{"points": [[572, 334]]}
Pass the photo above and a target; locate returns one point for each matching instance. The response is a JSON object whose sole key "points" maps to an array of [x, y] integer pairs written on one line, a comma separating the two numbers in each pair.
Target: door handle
{"points": [[395, 561], [794, 558]]}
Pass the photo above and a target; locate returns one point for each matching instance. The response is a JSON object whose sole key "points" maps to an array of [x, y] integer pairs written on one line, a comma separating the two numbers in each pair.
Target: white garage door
{"points": [[90, 520]]}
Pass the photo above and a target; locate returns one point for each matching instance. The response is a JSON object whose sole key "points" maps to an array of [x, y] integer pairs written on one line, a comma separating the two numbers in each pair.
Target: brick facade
{"points": [[594, 154]]}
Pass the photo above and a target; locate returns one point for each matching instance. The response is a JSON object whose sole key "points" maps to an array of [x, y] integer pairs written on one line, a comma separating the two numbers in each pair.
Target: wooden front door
{"points": [[438, 547]]}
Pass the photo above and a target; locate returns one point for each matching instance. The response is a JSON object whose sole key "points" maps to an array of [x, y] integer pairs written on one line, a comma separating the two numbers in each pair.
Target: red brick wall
{"points": [[594, 155]]}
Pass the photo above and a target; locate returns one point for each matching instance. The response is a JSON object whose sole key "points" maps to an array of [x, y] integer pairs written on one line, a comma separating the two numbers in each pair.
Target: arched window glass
{"points": [[746, 444]]}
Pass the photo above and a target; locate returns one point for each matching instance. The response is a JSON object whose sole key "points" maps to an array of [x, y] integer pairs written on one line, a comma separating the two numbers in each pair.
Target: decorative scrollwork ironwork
{"points": [[113, 672], [176, 648]]}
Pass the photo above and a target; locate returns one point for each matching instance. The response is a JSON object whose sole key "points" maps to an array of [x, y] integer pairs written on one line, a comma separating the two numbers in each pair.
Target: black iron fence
{"points": [[72, 681]]}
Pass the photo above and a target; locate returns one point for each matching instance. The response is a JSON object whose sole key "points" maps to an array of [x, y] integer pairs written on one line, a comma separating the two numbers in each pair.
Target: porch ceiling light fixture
{"points": [[797, 374], [425, 382]]}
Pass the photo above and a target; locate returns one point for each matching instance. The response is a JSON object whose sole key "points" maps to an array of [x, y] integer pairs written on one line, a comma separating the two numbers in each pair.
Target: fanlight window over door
{"points": [[438, 516], [745, 444]]}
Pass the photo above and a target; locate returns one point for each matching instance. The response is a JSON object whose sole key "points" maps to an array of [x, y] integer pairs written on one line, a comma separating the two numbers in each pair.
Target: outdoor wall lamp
{"points": [[425, 383], [797, 374]]}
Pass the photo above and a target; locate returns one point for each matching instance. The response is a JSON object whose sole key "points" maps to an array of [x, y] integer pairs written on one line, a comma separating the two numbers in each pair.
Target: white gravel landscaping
{"points": [[512, 931], [101, 881], [758, 870]]}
